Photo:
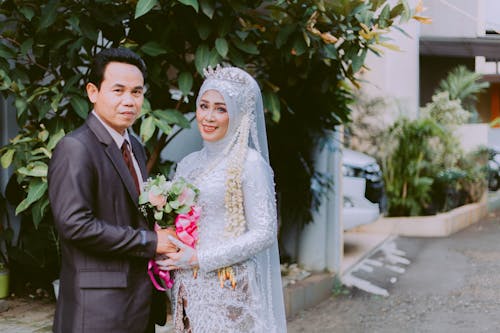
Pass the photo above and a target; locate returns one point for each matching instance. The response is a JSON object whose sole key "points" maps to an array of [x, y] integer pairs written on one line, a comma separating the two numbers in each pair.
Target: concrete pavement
{"points": [[450, 284]]}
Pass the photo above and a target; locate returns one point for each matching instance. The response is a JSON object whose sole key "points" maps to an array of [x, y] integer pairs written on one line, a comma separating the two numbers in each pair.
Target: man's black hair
{"points": [[103, 58]]}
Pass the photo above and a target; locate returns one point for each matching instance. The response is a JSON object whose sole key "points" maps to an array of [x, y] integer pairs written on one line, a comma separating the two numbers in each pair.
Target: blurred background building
{"points": [[462, 32]]}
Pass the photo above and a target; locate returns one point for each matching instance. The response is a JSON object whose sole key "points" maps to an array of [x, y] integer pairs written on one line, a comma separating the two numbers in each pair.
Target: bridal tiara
{"points": [[224, 73]]}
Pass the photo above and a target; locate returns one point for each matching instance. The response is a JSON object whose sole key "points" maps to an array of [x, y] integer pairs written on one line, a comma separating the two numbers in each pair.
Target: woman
{"points": [[231, 282]]}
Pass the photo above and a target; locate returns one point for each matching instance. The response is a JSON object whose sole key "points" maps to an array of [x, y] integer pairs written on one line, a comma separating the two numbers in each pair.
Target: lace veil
{"points": [[247, 129]]}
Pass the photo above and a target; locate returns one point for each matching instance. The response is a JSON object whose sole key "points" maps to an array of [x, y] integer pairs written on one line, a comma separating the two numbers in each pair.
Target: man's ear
{"points": [[92, 92]]}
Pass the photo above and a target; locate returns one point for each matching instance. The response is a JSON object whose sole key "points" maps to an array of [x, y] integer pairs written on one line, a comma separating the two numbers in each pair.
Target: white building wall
{"points": [[454, 18], [395, 75]]}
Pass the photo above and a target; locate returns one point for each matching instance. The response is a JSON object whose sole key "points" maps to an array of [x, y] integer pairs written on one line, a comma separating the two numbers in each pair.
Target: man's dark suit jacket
{"points": [[104, 286]]}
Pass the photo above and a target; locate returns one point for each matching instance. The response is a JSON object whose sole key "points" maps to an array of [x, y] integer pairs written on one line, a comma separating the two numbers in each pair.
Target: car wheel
{"points": [[493, 183]]}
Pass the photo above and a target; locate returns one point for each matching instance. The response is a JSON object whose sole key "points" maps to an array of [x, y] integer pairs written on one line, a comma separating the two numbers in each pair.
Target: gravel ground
{"points": [[451, 285]]}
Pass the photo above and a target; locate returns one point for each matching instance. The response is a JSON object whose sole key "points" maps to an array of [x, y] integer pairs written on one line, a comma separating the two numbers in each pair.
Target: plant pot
{"points": [[4, 283], [55, 284]]}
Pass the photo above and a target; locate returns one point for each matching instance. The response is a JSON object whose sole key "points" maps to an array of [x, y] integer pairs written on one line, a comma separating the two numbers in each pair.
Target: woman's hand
{"points": [[186, 257]]}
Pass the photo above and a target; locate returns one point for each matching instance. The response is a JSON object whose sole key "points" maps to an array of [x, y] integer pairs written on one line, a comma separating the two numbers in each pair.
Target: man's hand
{"points": [[164, 244], [186, 257]]}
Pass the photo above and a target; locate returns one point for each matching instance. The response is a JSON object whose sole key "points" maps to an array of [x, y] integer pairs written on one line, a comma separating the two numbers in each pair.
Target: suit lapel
{"points": [[114, 154]]}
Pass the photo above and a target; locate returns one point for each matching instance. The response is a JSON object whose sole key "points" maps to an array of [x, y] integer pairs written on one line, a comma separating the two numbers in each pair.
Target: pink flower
{"points": [[186, 228], [186, 197], [157, 200]]}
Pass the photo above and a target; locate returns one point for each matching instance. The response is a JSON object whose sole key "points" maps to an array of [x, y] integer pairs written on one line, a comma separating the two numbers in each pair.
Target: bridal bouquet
{"points": [[170, 205]]}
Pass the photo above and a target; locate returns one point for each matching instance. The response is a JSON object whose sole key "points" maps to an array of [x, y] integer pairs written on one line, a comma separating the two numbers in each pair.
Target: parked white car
{"points": [[362, 180]]}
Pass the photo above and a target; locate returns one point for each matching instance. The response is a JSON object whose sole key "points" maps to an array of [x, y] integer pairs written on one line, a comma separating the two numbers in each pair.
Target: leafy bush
{"points": [[446, 191], [463, 184], [464, 85], [301, 52], [475, 164], [446, 111], [406, 165], [425, 169]]}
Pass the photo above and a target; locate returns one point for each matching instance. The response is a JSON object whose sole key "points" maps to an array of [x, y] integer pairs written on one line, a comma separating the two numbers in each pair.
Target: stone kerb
{"points": [[440, 225], [307, 293]]}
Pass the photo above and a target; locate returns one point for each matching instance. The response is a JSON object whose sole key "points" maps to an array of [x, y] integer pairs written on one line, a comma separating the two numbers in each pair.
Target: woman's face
{"points": [[212, 116]]}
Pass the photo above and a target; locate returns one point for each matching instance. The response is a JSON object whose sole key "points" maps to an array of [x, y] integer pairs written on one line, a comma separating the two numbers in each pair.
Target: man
{"points": [[95, 176]]}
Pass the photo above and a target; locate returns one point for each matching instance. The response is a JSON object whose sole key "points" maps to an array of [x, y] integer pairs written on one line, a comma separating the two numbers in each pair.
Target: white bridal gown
{"points": [[248, 308]]}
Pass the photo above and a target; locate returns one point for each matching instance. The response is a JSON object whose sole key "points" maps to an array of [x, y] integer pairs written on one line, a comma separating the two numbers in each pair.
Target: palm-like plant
{"points": [[465, 85], [407, 171]]}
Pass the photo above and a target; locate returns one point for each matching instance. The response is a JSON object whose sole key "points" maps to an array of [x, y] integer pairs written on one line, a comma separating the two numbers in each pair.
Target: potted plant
{"points": [[4, 280]]}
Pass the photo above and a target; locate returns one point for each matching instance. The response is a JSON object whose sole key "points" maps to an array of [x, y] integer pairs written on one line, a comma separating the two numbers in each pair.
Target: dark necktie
{"points": [[130, 164]]}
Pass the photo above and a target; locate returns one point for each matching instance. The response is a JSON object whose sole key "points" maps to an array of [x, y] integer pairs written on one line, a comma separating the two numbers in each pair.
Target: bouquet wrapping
{"points": [[170, 205]]}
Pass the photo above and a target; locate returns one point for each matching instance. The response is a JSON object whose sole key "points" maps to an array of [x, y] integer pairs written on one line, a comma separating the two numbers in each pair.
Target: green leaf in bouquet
{"points": [[183, 209], [158, 215], [178, 186], [155, 189], [167, 208], [143, 198], [195, 189], [174, 204]]}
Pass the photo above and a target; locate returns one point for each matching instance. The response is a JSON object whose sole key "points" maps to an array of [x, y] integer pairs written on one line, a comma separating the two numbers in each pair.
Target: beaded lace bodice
{"points": [[209, 305]]}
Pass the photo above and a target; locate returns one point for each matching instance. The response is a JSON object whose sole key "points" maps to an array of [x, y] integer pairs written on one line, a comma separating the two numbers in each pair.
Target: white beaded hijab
{"points": [[246, 129], [243, 98]]}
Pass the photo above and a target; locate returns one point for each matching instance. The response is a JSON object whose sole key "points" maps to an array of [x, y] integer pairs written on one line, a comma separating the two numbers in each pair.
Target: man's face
{"points": [[119, 100]]}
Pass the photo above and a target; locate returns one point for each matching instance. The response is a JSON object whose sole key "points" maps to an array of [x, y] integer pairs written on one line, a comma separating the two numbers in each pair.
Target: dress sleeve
{"points": [[260, 213]]}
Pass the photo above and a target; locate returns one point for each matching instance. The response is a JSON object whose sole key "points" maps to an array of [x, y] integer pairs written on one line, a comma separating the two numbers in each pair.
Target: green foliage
{"points": [[445, 110], [339, 289], [446, 188], [301, 52], [475, 165], [425, 169], [464, 183], [464, 85], [316, 47], [407, 171]]}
